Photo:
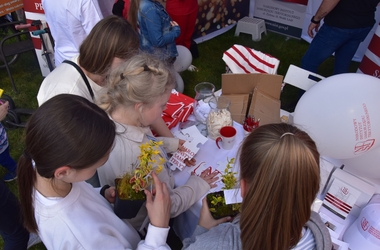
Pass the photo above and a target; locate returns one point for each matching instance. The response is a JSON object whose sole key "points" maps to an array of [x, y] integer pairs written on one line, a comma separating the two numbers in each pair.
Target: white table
{"points": [[212, 156]]}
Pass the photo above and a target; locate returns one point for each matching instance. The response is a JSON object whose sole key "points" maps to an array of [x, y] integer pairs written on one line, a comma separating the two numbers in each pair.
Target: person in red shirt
{"points": [[184, 12]]}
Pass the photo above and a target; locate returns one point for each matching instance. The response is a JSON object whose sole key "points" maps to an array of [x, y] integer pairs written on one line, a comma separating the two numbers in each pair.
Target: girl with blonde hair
{"points": [[279, 180], [138, 92]]}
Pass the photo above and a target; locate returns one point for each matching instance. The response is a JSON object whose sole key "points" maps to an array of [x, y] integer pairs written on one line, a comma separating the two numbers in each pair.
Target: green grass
{"points": [[28, 77]]}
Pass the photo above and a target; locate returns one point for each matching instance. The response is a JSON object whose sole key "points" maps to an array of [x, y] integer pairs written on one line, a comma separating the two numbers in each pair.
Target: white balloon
{"points": [[342, 115], [183, 60], [366, 165], [179, 83]]}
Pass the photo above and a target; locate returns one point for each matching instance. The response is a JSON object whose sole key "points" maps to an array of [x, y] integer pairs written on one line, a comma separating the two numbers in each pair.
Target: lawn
{"points": [[28, 77]]}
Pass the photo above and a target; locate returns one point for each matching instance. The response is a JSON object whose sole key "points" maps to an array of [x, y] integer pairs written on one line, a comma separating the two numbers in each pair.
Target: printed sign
{"points": [[34, 6], [8, 6], [282, 16]]}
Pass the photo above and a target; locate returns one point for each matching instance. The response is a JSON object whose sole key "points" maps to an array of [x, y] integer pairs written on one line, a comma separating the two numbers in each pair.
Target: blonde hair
{"points": [[280, 164], [142, 79]]}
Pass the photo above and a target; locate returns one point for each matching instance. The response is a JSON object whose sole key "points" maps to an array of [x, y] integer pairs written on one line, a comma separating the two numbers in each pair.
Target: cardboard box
{"points": [[254, 94], [239, 106]]}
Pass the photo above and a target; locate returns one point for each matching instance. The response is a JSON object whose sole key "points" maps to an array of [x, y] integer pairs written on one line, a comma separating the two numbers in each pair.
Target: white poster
{"points": [[282, 16]]}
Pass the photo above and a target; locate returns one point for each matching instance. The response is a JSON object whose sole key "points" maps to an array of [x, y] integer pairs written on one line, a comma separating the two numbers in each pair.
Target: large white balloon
{"points": [[180, 86], [366, 165], [342, 114], [183, 60]]}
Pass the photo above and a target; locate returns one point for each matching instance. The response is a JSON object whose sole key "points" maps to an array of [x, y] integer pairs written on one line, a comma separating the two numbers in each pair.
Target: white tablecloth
{"points": [[212, 156]]}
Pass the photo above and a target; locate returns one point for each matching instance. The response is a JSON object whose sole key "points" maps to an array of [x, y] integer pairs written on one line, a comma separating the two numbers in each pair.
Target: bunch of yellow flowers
{"points": [[141, 177], [229, 177]]}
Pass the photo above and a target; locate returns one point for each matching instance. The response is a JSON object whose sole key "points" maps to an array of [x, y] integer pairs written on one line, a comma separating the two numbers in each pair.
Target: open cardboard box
{"points": [[254, 94]]}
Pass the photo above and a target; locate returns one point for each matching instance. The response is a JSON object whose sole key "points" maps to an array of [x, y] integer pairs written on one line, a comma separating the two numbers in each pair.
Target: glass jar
{"points": [[204, 92], [219, 116]]}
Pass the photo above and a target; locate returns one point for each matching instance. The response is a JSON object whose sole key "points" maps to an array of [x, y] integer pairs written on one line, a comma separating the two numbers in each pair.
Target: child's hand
{"points": [[188, 162], [210, 178], [110, 194], [206, 220], [173, 23], [4, 110], [159, 208]]}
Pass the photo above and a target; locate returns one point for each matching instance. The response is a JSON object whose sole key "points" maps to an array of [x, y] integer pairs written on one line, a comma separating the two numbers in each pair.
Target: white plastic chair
{"points": [[302, 79]]}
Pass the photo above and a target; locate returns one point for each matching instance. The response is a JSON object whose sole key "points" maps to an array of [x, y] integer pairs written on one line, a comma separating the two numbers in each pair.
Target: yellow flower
{"points": [[149, 160]]}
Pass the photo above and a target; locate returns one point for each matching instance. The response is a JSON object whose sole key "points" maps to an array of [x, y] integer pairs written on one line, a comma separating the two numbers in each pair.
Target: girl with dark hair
{"points": [[279, 180], [67, 139]]}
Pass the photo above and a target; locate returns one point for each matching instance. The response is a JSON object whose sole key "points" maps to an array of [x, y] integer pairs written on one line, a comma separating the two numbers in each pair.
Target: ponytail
{"points": [[133, 13], [280, 165], [26, 177]]}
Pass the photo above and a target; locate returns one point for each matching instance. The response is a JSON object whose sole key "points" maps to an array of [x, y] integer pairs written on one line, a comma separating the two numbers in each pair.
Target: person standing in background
{"points": [[70, 22], [156, 29], [184, 12], [346, 24], [5, 158]]}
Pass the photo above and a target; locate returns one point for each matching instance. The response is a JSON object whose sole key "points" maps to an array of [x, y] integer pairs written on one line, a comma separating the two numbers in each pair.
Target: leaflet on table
{"points": [[211, 168], [194, 139], [340, 198]]}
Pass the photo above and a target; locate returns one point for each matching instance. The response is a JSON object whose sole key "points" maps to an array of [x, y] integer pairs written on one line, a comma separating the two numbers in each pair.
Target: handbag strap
{"points": [[83, 76]]}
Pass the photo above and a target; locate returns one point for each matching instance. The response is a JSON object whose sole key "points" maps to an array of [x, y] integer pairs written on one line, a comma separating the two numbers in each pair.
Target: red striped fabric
{"points": [[270, 65], [237, 62], [241, 59], [247, 61]]}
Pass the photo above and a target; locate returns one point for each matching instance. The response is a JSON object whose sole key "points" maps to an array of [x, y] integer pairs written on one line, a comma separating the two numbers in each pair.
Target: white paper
{"points": [[233, 196], [193, 139]]}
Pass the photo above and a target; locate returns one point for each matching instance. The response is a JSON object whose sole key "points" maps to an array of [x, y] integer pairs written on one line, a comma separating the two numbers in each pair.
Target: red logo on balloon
{"points": [[364, 146], [364, 224]]}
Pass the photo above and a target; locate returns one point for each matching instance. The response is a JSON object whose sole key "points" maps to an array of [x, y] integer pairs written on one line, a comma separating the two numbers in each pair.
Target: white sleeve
{"points": [[155, 239], [91, 14]]}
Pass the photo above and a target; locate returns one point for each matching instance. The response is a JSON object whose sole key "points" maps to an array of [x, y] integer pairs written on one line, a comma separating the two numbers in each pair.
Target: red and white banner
{"points": [[34, 11], [370, 63]]}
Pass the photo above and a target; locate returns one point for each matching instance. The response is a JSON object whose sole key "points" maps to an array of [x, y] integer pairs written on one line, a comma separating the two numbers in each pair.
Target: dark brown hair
{"points": [[111, 37], [67, 130], [280, 164]]}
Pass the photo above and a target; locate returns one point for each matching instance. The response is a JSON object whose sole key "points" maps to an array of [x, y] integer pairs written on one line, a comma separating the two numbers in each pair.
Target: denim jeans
{"points": [[15, 236], [344, 42], [7, 161]]}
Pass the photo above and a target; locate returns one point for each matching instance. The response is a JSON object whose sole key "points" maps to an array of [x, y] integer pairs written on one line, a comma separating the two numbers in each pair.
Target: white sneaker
{"points": [[33, 240], [192, 68]]}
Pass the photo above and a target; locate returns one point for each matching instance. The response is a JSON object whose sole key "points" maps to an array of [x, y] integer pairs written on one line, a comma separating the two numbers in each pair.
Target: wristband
{"points": [[103, 190], [315, 22]]}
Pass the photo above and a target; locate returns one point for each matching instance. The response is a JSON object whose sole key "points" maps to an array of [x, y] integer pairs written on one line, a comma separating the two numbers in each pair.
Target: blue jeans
{"points": [[15, 236], [7, 161], [344, 42]]}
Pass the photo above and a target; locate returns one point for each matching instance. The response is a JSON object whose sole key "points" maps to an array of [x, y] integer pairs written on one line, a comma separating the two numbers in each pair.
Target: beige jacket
{"points": [[124, 156]]}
